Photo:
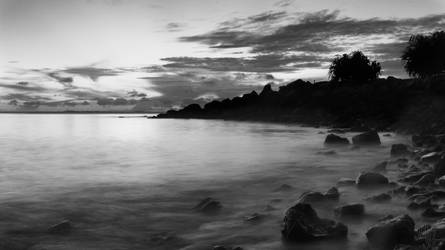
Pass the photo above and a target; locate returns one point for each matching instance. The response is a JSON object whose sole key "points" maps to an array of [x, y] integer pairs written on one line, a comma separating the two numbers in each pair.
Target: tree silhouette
{"points": [[355, 67], [425, 54]]}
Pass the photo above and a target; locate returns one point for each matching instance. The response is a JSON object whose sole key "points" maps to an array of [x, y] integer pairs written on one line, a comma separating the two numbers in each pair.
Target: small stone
{"points": [[350, 210]]}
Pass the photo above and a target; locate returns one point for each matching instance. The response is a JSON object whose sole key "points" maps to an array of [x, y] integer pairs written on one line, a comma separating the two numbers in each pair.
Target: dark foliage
{"points": [[353, 67], [425, 55]]}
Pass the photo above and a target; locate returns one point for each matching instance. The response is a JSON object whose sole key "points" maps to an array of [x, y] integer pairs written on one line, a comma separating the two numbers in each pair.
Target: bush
{"points": [[425, 55], [354, 67]]}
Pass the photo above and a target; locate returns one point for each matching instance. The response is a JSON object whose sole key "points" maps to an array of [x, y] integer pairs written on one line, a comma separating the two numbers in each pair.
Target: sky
{"points": [[152, 55]]}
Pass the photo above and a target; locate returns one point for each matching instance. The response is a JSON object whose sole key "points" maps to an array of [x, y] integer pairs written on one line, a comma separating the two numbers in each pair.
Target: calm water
{"points": [[130, 183]]}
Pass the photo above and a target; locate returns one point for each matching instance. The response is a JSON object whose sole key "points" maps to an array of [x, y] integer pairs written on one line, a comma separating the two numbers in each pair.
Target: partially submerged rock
{"points": [[367, 138], [333, 139], [331, 195], [387, 234], [284, 188], [399, 150], [301, 223], [350, 210], [61, 228], [208, 205], [380, 198], [346, 182], [427, 179], [368, 179]]}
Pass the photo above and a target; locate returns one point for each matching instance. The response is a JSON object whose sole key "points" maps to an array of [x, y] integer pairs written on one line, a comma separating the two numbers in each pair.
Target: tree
{"points": [[354, 66], [425, 55]]}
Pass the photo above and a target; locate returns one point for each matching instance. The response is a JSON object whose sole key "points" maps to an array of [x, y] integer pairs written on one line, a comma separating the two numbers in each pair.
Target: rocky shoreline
{"points": [[421, 181]]}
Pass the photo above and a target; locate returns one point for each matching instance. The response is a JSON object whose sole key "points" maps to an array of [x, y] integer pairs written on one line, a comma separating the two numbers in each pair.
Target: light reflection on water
{"points": [[138, 177]]}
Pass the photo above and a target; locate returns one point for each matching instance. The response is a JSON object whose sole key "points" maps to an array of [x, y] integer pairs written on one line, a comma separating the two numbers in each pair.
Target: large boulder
{"points": [[399, 150], [301, 223], [367, 138], [333, 139], [371, 179], [387, 234]]}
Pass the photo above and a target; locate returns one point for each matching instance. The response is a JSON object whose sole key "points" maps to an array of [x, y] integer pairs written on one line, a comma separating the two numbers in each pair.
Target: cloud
{"points": [[175, 27], [91, 72], [65, 81], [22, 86]]}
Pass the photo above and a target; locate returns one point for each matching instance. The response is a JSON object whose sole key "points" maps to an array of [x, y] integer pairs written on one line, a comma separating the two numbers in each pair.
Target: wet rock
{"points": [[367, 138], [419, 203], [380, 198], [368, 179], [301, 223], [439, 167], [381, 167], [435, 234], [425, 180], [61, 228], [424, 140], [414, 177], [431, 212], [346, 182], [389, 233], [333, 139], [284, 188], [208, 205], [399, 150], [350, 210], [332, 194], [309, 197], [386, 217], [432, 157], [411, 190], [337, 131], [441, 181]]}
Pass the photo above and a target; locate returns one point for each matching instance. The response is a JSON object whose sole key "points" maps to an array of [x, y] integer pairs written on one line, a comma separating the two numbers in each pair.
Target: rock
{"points": [[208, 205], [386, 217], [346, 182], [332, 194], [387, 234], [424, 140], [255, 217], [301, 223], [61, 228], [432, 157], [431, 212], [367, 138], [410, 190], [435, 234], [381, 167], [284, 188], [371, 179], [380, 198], [350, 210], [219, 248], [441, 181], [329, 152], [421, 202], [309, 197], [409, 247], [439, 167], [414, 177], [399, 150], [425, 180], [333, 139]]}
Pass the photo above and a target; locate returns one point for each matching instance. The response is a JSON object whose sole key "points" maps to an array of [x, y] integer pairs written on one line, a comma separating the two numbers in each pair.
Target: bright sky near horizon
{"points": [[58, 55]]}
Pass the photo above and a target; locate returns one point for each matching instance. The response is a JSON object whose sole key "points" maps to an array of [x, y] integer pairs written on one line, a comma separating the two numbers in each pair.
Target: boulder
{"points": [[333, 139], [61, 228], [208, 205], [367, 138], [399, 150], [350, 210], [381, 167], [380, 197], [389, 233], [309, 197], [371, 179], [301, 223], [332, 194]]}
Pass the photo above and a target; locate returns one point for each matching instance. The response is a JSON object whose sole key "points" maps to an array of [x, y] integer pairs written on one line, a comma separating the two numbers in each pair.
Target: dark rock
{"points": [[367, 138], [284, 188], [424, 140], [219, 248], [419, 203], [435, 234], [414, 177], [350, 210], [389, 233], [386, 217], [431, 212], [332, 194], [381, 167], [329, 152], [432, 157], [301, 223], [332, 139], [410, 190], [399, 150], [61, 228], [346, 182], [439, 167], [371, 179], [309, 197], [208, 205], [380, 198], [425, 180], [441, 181]]}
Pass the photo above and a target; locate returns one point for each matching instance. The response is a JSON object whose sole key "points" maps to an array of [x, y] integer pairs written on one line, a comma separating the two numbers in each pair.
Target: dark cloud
{"points": [[24, 97], [134, 93], [22, 86], [23, 83], [65, 81], [115, 101], [175, 27], [91, 72]]}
